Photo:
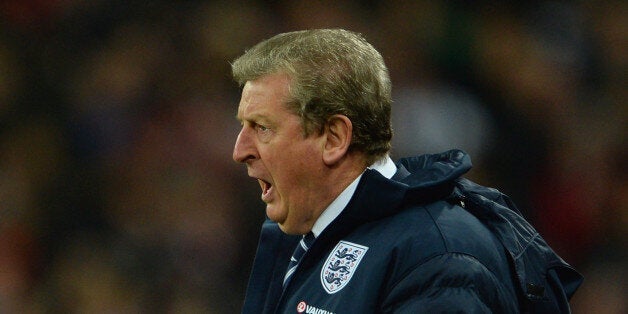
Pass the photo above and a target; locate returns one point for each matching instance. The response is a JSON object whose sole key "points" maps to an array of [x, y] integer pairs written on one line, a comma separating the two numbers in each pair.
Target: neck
{"points": [[336, 179]]}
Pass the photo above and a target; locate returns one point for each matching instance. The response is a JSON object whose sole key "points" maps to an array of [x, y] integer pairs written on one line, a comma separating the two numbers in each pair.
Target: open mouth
{"points": [[266, 189]]}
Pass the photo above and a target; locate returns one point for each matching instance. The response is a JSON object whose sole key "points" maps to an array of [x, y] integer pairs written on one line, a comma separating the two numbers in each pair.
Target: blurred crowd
{"points": [[118, 193]]}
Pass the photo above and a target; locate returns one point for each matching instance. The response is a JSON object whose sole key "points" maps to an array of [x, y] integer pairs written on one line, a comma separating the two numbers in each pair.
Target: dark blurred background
{"points": [[118, 193]]}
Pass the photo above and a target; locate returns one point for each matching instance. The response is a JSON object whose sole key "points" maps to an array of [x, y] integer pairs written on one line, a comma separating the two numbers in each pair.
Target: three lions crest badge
{"points": [[341, 265]]}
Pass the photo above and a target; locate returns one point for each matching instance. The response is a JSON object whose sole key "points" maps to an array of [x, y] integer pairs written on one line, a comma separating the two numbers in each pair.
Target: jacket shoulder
{"points": [[443, 253], [419, 233], [544, 280]]}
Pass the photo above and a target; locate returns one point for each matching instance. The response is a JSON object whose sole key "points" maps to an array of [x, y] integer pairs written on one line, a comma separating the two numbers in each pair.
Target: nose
{"points": [[244, 149]]}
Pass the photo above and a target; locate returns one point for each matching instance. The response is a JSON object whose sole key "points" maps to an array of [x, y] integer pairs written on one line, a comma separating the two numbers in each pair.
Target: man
{"points": [[351, 232]]}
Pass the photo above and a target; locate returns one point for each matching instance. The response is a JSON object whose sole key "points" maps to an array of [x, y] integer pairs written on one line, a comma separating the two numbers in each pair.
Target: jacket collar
{"points": [[418, 180]]}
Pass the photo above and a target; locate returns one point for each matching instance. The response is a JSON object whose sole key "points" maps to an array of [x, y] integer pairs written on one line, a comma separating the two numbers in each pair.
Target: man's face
{"points": [[287, 165]]}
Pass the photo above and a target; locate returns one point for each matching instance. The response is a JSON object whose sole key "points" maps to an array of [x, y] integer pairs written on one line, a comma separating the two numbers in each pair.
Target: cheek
{"points": [[295, 165], [293, 174], [303, 171], [303, 161]]}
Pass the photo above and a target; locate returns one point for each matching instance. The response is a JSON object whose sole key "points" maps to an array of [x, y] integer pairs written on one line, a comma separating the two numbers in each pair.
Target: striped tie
{"points": [[302, 247]]}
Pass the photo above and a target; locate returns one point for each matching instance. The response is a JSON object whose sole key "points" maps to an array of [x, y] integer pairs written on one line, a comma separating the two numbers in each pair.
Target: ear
{"points": [[338, 132]]}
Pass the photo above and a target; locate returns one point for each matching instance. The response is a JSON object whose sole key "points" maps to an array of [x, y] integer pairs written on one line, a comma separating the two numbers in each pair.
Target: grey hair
{"points": [[332, 71]]}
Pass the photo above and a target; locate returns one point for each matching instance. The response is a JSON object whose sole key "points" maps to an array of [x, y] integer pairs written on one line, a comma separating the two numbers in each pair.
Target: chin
{"points": [[274, 214]]}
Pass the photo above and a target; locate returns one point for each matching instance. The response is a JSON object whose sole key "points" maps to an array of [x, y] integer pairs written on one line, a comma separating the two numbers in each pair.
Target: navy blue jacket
{"points": [[425, 241]]}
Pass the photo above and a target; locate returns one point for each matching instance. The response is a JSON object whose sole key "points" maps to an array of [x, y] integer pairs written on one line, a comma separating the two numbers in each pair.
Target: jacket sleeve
{"points": [[450, 283]]}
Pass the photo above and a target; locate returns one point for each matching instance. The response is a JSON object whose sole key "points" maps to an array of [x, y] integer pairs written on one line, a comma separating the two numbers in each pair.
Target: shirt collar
{"points": [[384, 166]]}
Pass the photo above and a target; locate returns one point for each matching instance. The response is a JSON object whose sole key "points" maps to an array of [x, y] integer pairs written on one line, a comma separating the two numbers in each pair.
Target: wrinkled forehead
{"points": [[264, 95]]}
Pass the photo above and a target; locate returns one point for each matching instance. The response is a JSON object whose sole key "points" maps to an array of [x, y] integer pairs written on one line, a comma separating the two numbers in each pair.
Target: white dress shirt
{"points": [[386, 167]]}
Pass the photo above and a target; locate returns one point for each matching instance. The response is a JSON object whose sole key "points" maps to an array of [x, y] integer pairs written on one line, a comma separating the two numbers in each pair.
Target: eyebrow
{"points": [[255, 117]]}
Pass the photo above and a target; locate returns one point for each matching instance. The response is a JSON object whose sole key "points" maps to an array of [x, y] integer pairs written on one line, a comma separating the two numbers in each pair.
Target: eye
{"points": [[263, 132], [261, 128]]}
